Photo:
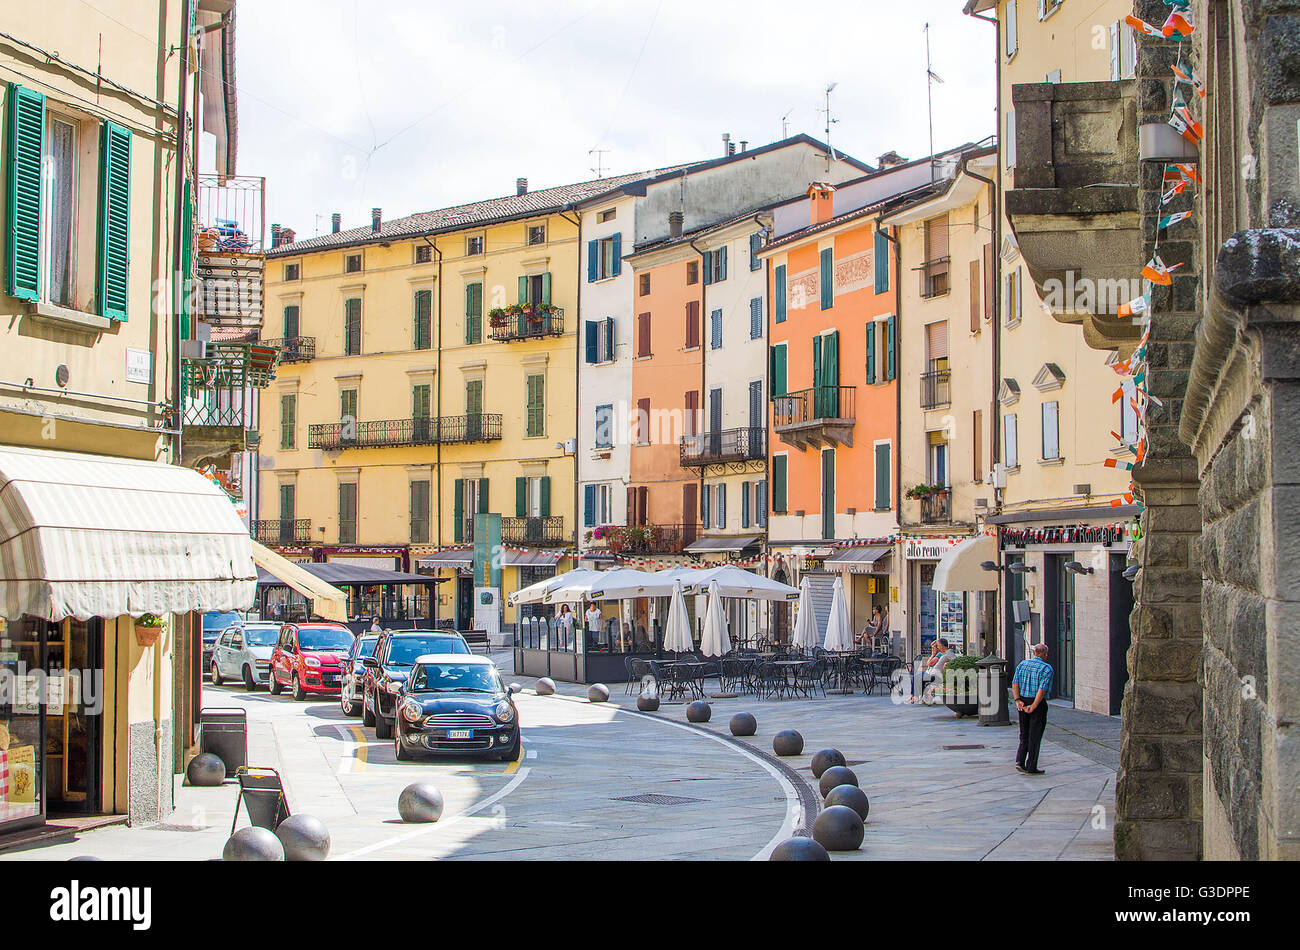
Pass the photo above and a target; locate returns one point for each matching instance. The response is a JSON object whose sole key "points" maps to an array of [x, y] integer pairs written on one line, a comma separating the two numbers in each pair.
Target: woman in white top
{"points": [[565, 624]]}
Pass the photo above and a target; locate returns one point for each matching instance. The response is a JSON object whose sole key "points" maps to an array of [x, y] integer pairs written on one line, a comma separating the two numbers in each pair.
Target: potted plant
{"points": [[960, 687], [925, 491], [149, 629]]}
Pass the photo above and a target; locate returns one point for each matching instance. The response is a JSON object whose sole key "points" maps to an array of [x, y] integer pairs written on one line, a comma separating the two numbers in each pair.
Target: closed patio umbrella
{"points": [[839, 635], [677, 633], [805, 625], [715, 641]]}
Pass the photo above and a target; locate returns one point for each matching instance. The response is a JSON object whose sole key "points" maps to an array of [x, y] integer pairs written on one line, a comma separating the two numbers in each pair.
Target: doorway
{"points": [[464, 602], [1060, 621], [780, 611], [73, 660], [1121, 605]]}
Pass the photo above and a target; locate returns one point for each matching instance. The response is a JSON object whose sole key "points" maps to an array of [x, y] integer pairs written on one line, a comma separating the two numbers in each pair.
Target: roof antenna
{"points": [[829, 122], [599, 167], [931, 77], [785, 124]]}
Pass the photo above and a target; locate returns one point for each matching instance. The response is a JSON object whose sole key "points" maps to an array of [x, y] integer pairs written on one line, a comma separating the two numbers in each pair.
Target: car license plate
{"points": [[460, 733]]}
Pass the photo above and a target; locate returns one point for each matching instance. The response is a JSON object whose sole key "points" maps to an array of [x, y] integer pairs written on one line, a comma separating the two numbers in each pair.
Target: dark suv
{"points": [[388, 668]]}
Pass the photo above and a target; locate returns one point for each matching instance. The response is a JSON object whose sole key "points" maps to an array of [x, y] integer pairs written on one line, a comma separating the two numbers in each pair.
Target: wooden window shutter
{"points": [[521, 497], [26, 141], [690, 423], [458, 511], [643, 334], [779, 292], [643, 421], [755, 318], [589, 506], [692, 324], [593, 261], [616, 265], [889, 349], [114, 221], [292, 321], [546, 287], [780, 381], [744, 504], [990, 284], [609, 338], [483, 496], [827, 278], [690, 503], [706, 497], [977, 446], [976, 296], [708, 267], [880, 256], [544, 496], [760, 504], [883, 476], [591, 341], [643, 504], [871, 352], [780, 465], [423, 319], [631, 505]]}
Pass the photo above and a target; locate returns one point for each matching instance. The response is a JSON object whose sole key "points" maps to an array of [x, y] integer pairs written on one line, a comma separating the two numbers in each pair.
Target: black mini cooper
{"points": [[456, 704]]}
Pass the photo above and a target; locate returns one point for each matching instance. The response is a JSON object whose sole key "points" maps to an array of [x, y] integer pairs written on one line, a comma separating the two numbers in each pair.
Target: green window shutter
{"points": [[881, 260], [779, 291], [831, 360], [779, 469], [616, 245], [591, 344], [483, 496], [609, 338], [291, 321], [187, 259], [523, 290], [422, 333], [882, 476], [780, 384], [871, 353], [546, 287], [458, 511], [544, 490], [708, 267], [536, 408], [352, 326], [26, 140], [474, 313], [114, 220], [521, 497], [889, 348], [817, 361], [828, 278]]}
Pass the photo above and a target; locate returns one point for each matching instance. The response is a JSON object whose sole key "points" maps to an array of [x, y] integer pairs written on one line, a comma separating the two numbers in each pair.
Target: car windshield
{"points": [[406, 650], [261, 636], [367, 647], [215, 622], [454, 677], [323, 638]]}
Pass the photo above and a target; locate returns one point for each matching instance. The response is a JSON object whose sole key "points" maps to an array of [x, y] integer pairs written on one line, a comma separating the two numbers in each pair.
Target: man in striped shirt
{"points": [[1029, 687]]}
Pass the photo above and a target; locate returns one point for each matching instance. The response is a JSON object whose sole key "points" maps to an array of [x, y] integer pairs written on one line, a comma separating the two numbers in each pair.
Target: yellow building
{"points": [[428, 374]]}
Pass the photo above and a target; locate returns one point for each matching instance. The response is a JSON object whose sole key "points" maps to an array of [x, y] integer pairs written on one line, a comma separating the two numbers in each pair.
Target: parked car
{"points": [[243, 652], [214, 622], [454, 703], [387, 670], [354, 673], [308, 658]]}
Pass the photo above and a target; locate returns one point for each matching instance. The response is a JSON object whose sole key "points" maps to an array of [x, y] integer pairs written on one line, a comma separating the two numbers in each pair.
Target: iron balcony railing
{"points": [[510, 328], [934, 277], [723, 445], [294, 349], [647, 538], [445, 430], [814, 405], [218, 387], [538, 532], [937, 508], [935, 389], [278, 531]]}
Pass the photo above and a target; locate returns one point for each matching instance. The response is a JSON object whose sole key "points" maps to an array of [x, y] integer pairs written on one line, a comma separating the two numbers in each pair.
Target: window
{"points": [[605, 426], [643, 421], [59, 204], [597, 505], [1010, 29], [604, 257], [1051, 431], [1009, 140], [600, 340], [936, 463], [643, 285], [642, 334], [934, 272], [779, 293], [976, 295], [1128, 418], [348, 407], [826, 279], [537, 234], [289, 421], [474, 312], [420, 511], [609, 214], [473, 245], [780, 470], [715, 330], [755, 318], [755, 245], [715, 266], [1010, 441], [745, 491], [691, 414], [352, 326], [352, 263], [692, 324], [291, 321], [719, 505], [1123, 51], [1047, 7], [348, 513], [778, 370], [1014, 294], [469, 497], [760, 504], [977, 446], [533, 497], [880, 261], [884, 476], [692, 272], [292, 272], [423, 253], [287, 505], [880, 351], [422, 329], [421, 402], [536, 425]]}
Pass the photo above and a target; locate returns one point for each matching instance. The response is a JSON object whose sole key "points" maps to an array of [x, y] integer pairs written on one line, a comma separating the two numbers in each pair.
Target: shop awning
{"points": [[511, 558], [720, 543], [350, 575], [446, 559], [959, 568], [859, 560], [93, 536], [326, 601]]}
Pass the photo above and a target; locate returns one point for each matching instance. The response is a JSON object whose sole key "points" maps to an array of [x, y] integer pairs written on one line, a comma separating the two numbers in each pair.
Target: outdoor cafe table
{"points": [[787, 669], [841, 662], [693, 681]]}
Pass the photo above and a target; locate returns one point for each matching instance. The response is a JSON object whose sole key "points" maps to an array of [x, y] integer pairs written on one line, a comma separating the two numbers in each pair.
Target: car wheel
{"points": [[250, 684], [399, 750], [298, 694], [349, 706], [216, 674], [367, 713], [274, 685], [383, 728]]}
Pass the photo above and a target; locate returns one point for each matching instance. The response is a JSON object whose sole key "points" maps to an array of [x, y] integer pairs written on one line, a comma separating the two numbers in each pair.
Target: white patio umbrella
{"points": [[677, 633], [839, 634], [620, 584], [805, 624], [715, 641], [536, 593], [734, 581]]}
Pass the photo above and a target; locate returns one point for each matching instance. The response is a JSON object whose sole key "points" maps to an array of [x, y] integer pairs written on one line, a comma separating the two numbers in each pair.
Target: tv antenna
{"points": [[829, 122], [931, 77], [785, 124], [599, 167]]}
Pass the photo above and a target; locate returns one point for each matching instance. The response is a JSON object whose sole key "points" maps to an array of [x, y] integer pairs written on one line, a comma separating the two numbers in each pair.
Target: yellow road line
{"points": [[361, 753]]}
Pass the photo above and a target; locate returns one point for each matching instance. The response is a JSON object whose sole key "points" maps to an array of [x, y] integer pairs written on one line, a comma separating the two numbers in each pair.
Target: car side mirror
{"points": [[513, 688], [370, 663]]}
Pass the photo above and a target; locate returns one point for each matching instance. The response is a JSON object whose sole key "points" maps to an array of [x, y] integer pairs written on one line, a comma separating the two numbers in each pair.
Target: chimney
{"points": [[275, 236], [744, 145], [521, 186], [674, 224], [336, 222], [890, 160], [376, 219], [286, 236], [821, 202], [727, 147]]}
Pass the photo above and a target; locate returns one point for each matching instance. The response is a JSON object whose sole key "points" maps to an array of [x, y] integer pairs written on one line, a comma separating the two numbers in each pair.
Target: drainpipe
{"points": [[577, 369], [178, 226]]}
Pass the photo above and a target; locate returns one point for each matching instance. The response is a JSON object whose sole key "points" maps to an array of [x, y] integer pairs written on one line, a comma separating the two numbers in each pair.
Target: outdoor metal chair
{"points": [[811, 677]]}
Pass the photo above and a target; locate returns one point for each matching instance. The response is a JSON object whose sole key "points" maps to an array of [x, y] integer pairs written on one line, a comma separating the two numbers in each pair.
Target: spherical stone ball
{"points": [[420, 801], [699, 711], [597, 693], [835, 776], [84, 857], [206, 770], [824, 759], [253, 844], [787, 742], [647, 703], [305, 838], [743, 724], [799, 849], [838, 828], [545, 686], [850, 796]]}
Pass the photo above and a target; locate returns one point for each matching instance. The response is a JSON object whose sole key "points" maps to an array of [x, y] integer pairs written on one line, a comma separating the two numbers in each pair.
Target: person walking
{"points": [[1029, 687]]}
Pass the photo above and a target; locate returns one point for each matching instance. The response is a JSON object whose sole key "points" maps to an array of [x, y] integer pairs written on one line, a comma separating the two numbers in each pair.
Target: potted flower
{"points": [[960, 685], [925, 491], [149, 629]]}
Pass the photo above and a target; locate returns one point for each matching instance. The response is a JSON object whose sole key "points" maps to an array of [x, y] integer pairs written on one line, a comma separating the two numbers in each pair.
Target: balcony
{"points": [[936, 508], [723, 447], [277, 531], [228, 244], [935, 389], [512, 324], [817, 417], [534, 532], [294, 349], [934, 277], [218, 400], [445, 430], [645, 539]]}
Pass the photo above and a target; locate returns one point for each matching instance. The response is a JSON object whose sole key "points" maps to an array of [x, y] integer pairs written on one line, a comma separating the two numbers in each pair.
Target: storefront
{"points": [[934, 613], [865, 572]]}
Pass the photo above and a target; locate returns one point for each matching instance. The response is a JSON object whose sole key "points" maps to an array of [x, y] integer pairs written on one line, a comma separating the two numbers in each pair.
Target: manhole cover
{"points": [[955, 747], [656, 799]]}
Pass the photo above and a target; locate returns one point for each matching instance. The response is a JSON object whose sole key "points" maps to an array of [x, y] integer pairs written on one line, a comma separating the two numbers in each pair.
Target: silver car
{"points": [[243, 652]]}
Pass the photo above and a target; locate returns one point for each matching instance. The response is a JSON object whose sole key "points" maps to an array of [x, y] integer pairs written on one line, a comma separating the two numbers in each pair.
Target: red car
{"points": [[309, 657]]}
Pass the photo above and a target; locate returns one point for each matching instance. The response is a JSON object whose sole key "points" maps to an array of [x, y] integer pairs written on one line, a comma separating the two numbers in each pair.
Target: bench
{"points": [[476, 639]]}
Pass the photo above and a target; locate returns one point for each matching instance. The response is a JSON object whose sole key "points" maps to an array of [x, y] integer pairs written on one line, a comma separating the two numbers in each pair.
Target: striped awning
{"points": [[463, 557], [93, 536], [858, 560]]}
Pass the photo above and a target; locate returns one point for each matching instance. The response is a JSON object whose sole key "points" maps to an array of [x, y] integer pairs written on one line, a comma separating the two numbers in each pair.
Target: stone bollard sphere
{"points": [[545, 686], [699, 711], [597, 693], [838, 828], [851, 797], [799, 849], [743, 724], [835, 776], [305, 838], [824, 759], [647, 703], [206, 770], [420, 802], [253, 844], [787, 742]]}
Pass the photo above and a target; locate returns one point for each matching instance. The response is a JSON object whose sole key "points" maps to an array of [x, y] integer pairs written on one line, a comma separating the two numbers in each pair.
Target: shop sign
{"points": [[928, 549]]}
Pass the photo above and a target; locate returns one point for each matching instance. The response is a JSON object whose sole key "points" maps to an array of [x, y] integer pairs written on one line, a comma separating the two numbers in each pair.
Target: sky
{"points": [[408, 106]]}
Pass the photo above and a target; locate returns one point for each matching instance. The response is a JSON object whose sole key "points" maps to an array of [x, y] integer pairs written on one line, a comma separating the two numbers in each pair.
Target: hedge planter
{"points": [[962, 704]]}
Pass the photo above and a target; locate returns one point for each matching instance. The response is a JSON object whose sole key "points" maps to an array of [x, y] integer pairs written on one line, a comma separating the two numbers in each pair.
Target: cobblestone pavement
{"points": [[606, 781]]}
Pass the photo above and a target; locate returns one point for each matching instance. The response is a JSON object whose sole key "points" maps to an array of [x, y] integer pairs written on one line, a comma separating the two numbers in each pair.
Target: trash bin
{"points": [[993, 691], [224, 733]]}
